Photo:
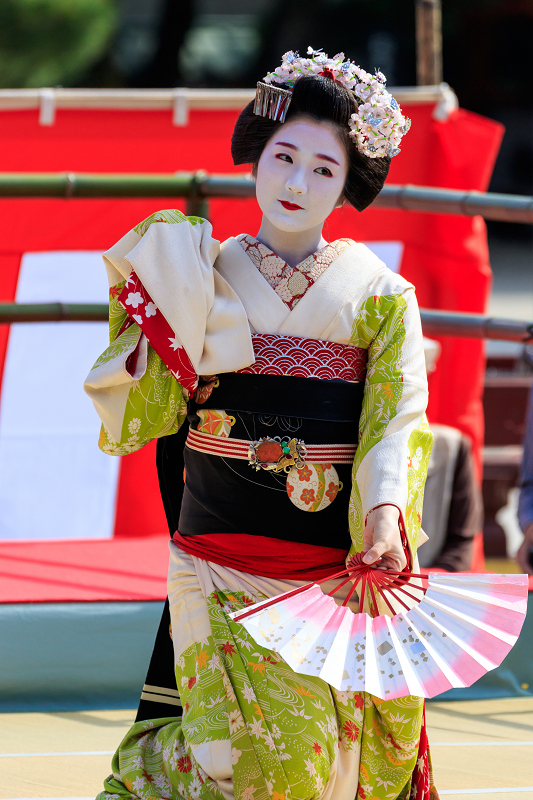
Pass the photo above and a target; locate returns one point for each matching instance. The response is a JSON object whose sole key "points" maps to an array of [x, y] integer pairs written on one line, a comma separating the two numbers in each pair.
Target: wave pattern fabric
{"points": [[308, 358]]}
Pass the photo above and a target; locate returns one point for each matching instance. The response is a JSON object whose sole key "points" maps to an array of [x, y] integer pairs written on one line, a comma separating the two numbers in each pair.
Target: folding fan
{"points": [[463, 627]]}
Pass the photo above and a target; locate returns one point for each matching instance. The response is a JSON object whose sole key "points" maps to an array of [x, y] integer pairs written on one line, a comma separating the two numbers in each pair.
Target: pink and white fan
{"points": [[463, 627]]}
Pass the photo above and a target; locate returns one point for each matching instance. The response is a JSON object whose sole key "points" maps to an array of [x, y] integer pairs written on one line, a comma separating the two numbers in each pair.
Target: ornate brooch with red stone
{"points": [[279, 455]]}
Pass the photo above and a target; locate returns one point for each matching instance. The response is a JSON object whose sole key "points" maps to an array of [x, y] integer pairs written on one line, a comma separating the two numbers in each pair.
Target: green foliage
{"points": [[50, 42]]}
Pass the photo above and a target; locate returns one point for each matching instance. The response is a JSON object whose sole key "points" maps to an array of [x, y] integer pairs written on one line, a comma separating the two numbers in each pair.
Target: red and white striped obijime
{"points": [[239, 448]]}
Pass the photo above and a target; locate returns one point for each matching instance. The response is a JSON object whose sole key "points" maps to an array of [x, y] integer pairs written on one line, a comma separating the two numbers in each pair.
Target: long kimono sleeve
{"points": [[135, 394], [391, 461], [133, 391], [172, 318], [390, 467]]}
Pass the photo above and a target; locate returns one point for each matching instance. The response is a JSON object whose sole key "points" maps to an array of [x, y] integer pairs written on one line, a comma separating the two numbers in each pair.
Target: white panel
{"points": [[54, 481], [390, 253]]}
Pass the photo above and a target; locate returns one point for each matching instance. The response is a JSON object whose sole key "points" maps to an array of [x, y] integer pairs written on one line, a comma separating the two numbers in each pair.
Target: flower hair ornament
{"points": [[378, 125]]}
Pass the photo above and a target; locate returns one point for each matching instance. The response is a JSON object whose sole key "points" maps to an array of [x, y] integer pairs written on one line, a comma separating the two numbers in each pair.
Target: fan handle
{"points": [[376, 578]]}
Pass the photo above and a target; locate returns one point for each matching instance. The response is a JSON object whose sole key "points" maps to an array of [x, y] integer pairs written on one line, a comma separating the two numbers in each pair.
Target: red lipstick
{"points": [[290, 206]]}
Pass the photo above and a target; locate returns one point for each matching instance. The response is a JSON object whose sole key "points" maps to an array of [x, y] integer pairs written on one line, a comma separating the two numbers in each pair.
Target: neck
{"points": [[293, 248]]}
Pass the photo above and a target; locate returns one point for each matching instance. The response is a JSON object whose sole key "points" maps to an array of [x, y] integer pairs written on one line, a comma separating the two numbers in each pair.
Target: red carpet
{"points": [[88, 571]]}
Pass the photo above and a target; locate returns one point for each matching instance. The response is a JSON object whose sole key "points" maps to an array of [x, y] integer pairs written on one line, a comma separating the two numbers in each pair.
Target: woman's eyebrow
{"points": [[327, 158], [317, 155]]}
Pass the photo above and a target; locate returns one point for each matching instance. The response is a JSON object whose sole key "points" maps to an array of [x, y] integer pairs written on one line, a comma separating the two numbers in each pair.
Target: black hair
{"points": [[322, 100]]}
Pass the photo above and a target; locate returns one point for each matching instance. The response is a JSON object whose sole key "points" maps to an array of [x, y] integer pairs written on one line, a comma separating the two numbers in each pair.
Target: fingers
{"points": [[396, 562], [374, 553], [382, 541], [392, 556]]}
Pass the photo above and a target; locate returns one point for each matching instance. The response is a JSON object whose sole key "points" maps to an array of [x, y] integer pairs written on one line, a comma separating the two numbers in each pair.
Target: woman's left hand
{"points": [[382, 538]]}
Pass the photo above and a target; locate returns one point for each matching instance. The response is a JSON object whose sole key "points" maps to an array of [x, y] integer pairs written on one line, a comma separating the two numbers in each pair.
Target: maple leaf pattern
{"points": [[202, 658], [257, 667], [228, 649]]}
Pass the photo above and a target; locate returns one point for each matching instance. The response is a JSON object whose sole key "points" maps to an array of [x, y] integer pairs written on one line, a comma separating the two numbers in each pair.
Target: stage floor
{"points": [[479, 748]]}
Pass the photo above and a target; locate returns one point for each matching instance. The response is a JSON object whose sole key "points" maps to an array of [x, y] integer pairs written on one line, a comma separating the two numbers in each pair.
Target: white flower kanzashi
{"points": [[134, 299], [293, 66], [378, 125]]}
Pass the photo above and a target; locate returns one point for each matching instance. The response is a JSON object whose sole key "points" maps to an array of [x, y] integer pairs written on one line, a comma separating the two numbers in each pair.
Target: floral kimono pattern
{"points": [[251, 725], [252, 729]]}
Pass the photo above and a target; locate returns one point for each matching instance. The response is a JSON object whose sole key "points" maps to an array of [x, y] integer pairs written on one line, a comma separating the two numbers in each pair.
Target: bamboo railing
{"points": [[198, 187], [434, 323]]}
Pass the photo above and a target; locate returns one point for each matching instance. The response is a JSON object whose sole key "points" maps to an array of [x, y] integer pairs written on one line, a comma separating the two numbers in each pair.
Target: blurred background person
{"points": [[524, 555]]}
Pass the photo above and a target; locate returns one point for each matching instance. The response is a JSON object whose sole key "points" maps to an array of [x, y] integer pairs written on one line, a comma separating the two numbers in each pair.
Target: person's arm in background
{"points": [[525, 503]]}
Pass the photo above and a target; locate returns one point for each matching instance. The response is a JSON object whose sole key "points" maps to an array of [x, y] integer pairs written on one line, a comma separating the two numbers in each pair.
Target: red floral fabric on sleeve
{"points": [[141, 309]]}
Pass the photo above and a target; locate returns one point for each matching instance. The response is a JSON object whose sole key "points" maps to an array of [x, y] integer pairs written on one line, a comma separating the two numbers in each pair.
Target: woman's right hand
{"points": [[382, 538]]}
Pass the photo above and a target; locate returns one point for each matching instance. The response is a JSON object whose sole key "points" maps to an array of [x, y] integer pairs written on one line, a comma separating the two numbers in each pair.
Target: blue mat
{"points": [[64, 656], [67, 656]]}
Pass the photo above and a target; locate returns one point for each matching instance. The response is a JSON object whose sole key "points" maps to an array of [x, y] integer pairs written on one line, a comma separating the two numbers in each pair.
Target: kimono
{"points": [[244, 349]]}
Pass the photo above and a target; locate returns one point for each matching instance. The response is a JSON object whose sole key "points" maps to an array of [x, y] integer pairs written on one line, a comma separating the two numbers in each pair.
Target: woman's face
{"points": [[301, 175]]}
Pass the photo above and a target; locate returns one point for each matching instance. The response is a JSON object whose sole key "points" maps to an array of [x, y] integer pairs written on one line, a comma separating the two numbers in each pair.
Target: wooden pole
{"points": [[198, 187], [434, 323], [428, 42]]}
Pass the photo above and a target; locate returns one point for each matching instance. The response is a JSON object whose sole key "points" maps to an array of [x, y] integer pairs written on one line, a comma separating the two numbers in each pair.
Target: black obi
{"points": [[226, 495]]}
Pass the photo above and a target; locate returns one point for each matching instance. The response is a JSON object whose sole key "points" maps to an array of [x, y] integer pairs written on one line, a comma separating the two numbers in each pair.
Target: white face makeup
{"points": [[301, 175]]}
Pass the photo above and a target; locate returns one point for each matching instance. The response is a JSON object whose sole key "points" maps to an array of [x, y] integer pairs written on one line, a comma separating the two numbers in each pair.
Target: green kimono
{"points": [[252, 729]]}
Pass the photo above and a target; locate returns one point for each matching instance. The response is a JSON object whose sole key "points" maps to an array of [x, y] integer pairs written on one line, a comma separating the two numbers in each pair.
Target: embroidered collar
{"points": [[291, 283]]}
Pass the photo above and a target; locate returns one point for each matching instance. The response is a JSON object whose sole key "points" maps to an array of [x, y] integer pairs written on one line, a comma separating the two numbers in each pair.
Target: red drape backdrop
{"points": [[445, 256]]}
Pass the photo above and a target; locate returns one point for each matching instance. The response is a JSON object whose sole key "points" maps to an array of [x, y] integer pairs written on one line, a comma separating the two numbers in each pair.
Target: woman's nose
{"points": [[296, 182]]}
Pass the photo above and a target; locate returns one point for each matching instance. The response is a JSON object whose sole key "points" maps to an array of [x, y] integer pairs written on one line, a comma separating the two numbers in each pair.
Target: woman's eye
{"points": [[284, 157], [324, 171]]}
